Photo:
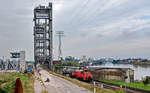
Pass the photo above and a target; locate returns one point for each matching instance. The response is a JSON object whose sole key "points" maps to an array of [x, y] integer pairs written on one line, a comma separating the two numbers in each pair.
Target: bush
{"points": [[25, 71], [7, 82], [2, 90], [58, 66], [119, 91], [70, 63], [146, 80], [44, 91], [137, 81]]}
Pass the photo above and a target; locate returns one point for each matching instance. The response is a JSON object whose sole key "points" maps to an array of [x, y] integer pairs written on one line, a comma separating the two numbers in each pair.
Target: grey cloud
{"points": [[76, 19]]}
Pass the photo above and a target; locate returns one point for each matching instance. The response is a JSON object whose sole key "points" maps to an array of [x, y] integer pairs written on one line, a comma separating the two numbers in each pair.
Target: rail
{"points": [[125, 88]]}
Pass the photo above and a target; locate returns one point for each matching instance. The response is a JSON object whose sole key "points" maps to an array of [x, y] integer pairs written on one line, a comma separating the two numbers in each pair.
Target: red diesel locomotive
{"points": [[83, 75]]}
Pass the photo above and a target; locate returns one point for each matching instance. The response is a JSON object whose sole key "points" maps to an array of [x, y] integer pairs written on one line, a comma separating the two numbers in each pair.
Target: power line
{"points": [[79, 10], [88, 15], [83, 18], [85, 13], [94, 17]]}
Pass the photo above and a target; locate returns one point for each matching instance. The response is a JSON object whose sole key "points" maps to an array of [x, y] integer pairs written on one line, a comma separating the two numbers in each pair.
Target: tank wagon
{"points": [[68, 70]]}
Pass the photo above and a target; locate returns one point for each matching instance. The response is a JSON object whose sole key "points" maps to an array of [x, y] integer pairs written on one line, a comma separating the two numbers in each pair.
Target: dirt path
{"points": [[37, 85], [59, 85]]}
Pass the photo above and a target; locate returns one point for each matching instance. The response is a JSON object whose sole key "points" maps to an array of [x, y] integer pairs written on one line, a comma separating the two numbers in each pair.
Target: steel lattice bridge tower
{"points": [[43, 35]]}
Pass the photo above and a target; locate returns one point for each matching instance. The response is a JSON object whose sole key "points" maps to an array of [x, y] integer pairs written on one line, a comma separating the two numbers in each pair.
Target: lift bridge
{"points": [[9, 65], [43, 35]]}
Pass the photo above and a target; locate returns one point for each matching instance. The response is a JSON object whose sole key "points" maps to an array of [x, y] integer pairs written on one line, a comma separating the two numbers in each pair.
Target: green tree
{"points": [[70, 63], [146, 80]]}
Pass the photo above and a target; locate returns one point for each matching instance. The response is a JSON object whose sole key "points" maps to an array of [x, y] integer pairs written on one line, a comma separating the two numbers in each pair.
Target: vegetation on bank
{"points": [[141, 63], [135, 84], [62, 64], [86, 85], [8, 79], [44, 91], [70, 63], [146, 80]]}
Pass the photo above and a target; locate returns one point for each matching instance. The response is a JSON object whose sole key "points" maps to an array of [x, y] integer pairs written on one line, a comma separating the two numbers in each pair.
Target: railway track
{"points": [[115, 86], [126, 89]]}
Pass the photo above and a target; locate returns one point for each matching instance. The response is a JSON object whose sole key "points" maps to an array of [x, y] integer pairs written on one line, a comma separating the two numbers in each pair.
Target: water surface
{"points": [[139, 71]]}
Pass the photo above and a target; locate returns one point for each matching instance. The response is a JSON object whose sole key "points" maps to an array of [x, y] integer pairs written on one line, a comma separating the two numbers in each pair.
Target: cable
{"points": [[79, 10], [87, 17]]}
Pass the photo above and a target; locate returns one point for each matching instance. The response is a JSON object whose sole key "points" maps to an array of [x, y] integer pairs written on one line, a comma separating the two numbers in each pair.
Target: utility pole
{"points": [[60, 34], [94, 87]]}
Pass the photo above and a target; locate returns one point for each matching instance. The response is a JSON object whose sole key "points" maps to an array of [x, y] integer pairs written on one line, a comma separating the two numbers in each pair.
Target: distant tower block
{"points": [[43, 35]]}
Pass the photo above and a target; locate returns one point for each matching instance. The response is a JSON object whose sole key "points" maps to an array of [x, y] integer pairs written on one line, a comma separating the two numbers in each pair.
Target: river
{"points": [[139, 71]]}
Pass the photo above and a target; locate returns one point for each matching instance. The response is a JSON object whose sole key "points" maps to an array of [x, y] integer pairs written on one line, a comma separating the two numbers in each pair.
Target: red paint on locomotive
{"points": [[82, 75]]}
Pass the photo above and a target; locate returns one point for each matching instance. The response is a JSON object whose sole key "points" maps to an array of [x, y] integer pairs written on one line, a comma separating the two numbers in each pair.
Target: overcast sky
{"points": [[95, 28]]}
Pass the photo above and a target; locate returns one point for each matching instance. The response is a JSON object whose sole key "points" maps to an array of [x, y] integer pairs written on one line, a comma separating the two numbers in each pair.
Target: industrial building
{"points": [[16, 63]]}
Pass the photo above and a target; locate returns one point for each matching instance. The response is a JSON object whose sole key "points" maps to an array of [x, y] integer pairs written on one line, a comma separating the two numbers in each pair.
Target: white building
{"points": [[22, 60]]}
